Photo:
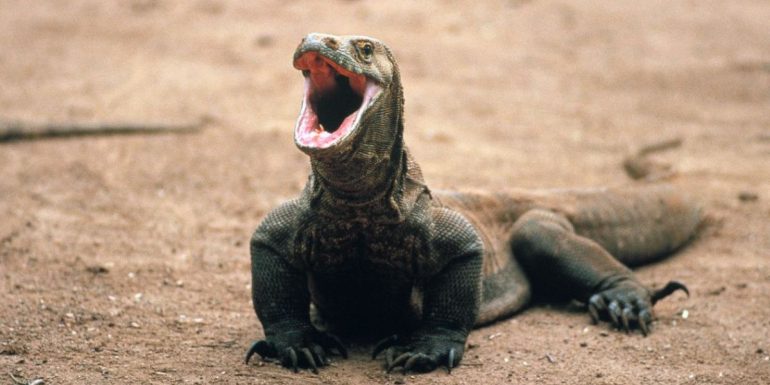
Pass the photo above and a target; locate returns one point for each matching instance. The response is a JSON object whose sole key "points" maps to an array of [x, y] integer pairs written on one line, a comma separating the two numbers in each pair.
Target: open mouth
{"points": [[334, 101]]}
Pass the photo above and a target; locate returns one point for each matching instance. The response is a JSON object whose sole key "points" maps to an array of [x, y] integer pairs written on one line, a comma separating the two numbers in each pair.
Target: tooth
{"points": [[321, 127]]}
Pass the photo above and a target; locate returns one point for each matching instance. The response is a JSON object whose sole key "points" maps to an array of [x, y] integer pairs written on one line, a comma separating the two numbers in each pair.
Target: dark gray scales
{"points": [[379, 255]]}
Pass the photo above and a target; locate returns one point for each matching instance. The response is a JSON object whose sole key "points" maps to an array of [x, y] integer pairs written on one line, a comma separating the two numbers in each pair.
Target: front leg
{"points": [[563, 263], [282, 301], [450, 304]]}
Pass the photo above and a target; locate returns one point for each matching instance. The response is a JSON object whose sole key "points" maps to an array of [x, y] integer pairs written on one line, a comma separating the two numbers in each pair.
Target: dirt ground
{"points": [[124, 259]]}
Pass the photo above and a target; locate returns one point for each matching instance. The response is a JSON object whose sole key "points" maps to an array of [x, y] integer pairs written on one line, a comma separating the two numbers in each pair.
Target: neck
{"points": [[365, 175], [387, 198]]}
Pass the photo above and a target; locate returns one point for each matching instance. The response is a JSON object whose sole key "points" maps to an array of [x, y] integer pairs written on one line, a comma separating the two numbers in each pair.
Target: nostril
{"points": [[331, 43]]}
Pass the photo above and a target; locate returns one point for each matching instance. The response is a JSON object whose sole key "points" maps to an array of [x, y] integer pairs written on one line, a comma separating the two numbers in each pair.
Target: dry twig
{"points": [[17, 131]]}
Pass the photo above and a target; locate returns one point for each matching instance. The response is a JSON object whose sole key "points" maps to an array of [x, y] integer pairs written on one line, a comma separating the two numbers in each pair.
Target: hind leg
{"points": [[563, 263]]}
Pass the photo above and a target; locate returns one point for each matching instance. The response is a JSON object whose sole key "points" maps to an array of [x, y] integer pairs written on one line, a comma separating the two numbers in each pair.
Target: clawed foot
{"points": [[423, 352], [294, 350], [629, 304]]}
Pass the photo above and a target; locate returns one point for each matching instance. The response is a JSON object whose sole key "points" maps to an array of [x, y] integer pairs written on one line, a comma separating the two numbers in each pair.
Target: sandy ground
{"points": [[124, 259]]}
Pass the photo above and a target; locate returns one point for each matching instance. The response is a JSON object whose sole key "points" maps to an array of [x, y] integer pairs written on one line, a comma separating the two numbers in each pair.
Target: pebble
{"points": [[493, 336], [747, 196]]}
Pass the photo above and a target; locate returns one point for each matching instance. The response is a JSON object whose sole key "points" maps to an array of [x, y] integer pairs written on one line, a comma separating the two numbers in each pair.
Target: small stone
{"points": [[264, 40], [134, 325], [747, 196], [717, 291], [583, 344], [97, 269], [493, 336]]}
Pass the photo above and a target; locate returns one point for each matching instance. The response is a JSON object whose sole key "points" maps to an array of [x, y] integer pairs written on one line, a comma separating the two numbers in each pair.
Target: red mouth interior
{"points": [[333, 98]]}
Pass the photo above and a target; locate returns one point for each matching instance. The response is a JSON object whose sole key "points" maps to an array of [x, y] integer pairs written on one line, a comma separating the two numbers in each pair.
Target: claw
{"points": [[399, 361], [624, 318], [411, 362], [614, 310], [384, 344], [667, 290], [596, 304], [389, 355], [337, 343], [310, 360], [260, 347], [593, 313], [450, 361], [320, 355], [293, 359], [645, 318]]}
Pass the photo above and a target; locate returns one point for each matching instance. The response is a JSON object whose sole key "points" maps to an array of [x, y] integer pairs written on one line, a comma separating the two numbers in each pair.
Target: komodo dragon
{"points": [[378, 254]]}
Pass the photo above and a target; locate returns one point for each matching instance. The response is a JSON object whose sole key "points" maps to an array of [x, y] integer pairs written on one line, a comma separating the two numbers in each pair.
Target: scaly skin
{"points": [[377, 254]]}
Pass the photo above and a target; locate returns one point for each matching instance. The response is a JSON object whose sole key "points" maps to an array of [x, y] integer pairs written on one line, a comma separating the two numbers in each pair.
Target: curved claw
{"points": [[450, 361], [399, 361], [261, 347], [320, 355], [667, 290], [292, 359], [390, 354], [615, 313], [412, 361], [384, 344], [624, 317], [310, 360], [337, 344], [645, 318], [595, 305]]}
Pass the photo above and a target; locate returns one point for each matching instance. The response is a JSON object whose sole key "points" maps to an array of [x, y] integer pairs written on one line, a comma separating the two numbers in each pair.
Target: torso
{"points": [[363, 275]]}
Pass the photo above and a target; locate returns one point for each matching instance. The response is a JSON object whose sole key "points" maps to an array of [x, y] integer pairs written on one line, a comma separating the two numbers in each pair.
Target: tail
{"points": [[637, 224]]}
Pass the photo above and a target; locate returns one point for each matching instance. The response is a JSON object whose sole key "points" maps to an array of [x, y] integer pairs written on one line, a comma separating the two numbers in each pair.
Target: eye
{"points": [[366, 49]]}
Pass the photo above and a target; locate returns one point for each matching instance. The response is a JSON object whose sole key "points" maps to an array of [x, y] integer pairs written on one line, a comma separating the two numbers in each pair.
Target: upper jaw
{"points": [[336, 96]]}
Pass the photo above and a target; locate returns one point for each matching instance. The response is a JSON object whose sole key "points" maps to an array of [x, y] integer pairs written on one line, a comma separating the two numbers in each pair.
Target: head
{"points": [[352, 97]]}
